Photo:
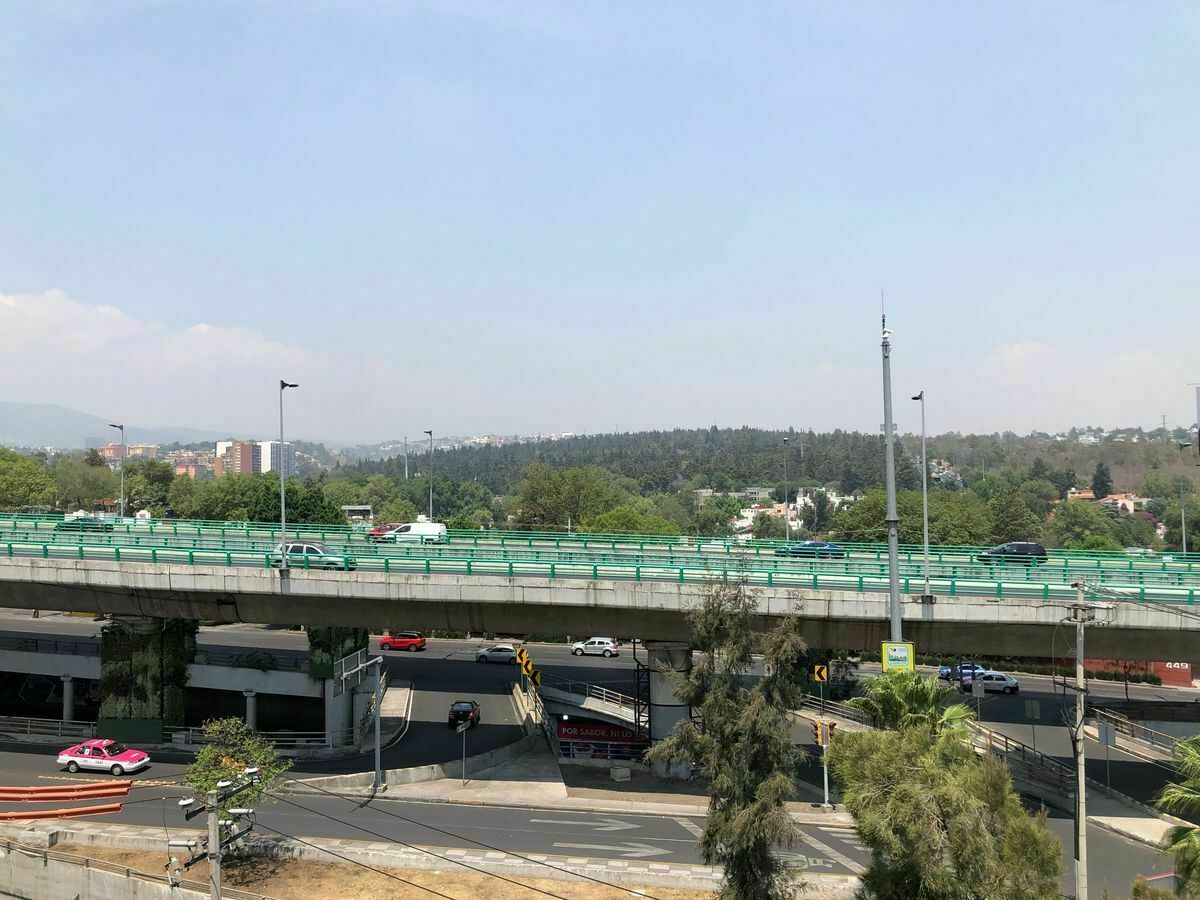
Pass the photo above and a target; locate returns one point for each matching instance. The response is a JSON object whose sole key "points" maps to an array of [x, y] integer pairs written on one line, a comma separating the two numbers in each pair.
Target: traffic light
{"points": [[829, 726], [818, 732]]}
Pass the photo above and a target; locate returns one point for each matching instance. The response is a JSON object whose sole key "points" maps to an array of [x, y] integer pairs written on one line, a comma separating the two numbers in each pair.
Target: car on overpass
{"points": [[409, 533], [993, 682], [85, 522], [103, 755], [463, 711], [813, 549], [1014, 553], [501, 653], [311, 555], [403, 640]]}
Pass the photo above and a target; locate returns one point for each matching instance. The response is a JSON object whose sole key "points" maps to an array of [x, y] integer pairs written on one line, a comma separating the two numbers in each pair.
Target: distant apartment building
{"points": [[112, 452], [270, 453], [242, 458], [192, 463]]}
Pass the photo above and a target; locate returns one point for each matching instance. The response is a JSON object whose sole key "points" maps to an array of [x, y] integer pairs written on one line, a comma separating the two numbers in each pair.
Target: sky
{"points": [[529, 217]]}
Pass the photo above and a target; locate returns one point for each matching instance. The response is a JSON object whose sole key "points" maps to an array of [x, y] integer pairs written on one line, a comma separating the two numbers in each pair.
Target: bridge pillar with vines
{"points": [[143, 673]]}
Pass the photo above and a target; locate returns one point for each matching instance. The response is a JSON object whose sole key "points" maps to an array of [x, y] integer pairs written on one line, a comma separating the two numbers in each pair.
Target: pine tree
{"points": [[1011, 518], [1101, 481], [742, 740]]}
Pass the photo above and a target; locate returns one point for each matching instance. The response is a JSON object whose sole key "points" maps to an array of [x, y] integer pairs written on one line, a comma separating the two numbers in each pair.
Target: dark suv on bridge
{"points": [[1017, 553]]}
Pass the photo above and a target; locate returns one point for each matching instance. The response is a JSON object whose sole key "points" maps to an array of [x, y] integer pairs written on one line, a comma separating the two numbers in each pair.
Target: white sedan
{"points": [[501, 653], [995, 682]]}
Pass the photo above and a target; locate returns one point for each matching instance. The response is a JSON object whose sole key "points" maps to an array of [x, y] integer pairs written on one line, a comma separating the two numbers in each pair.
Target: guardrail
{"points": [[966, 584], [281, 740], [1023, 760], [370, 556], [711, 544], [595, 692], [88, 862], [1136, 730], [48, 645], [68, 729], [838, 709]]}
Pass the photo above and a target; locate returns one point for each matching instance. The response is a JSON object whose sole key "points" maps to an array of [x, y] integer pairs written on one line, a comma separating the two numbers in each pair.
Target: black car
{"points": [[1019, 553], [463, 711], [818, 549]]}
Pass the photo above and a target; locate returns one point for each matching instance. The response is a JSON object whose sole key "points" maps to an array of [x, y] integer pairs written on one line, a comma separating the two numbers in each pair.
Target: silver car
{"points": [[501, 653], [311, 555]]}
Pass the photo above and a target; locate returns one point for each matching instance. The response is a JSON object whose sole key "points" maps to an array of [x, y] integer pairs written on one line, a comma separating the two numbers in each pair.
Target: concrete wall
{"points": [[649, 610], [30, 876]]}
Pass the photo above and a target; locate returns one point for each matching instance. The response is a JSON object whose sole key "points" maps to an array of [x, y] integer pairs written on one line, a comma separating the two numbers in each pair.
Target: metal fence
{"points": [[595, 692], [48, 645], [841, 710], [68, 729], [1023, 761], [281, 740], [1136, 730]]}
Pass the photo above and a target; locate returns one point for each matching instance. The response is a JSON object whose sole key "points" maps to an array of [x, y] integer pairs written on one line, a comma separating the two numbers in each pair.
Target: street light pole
{"points": [[787, 525], [924, 490], [892, 519], [124, 453], [283, 386], [430, 433], [406, 459], [1183, 506], [1081, 614]]}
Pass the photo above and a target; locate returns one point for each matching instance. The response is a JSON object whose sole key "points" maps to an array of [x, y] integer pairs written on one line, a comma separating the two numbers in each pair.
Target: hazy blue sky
{"points": [[522, 217]]}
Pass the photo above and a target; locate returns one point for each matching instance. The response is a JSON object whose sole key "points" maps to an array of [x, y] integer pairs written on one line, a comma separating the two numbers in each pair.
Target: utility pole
{"points": [[1082, 614], [430, 433], [283, 556], [893, 519], [214, 846], [924, 492], [787, 525], [124, 453]]}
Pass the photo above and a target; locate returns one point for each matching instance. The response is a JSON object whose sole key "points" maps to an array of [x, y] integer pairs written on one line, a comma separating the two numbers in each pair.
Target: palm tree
{"points": [[1183, 799], [897, 700]]}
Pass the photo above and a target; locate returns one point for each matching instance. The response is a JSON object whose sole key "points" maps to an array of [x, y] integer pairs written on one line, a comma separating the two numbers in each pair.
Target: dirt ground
{"points": [[303, 880]]}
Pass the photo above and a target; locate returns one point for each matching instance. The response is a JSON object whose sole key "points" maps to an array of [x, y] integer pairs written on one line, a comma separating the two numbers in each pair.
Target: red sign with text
{"points": [[596, 731]]}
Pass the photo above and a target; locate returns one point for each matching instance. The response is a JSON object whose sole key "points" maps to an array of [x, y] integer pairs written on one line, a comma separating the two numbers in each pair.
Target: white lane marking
{"points": [[628, 850], [597, 824], [691, 827], [833, 854]]}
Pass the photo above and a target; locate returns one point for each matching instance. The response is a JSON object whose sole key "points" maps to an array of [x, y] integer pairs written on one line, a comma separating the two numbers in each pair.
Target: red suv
{"points": [[403, 640]]}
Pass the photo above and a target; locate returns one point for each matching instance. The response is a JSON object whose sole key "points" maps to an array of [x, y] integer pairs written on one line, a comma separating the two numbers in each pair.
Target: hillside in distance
{"points": [[48, 425]]}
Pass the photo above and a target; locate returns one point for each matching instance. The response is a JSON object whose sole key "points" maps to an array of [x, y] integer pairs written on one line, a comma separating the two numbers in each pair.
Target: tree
{"points": [[628, 518], [744, 744], [23, 482], [906, 700], [78, 485], [1101, 481], [817, 514], [941, 824], [1075, 522], [1011, 518], [712, 519], [767, 527], [400, 509], [554, 498], [1039, 470], [1064, 481], [229, 748], [1182, 799], [148, 484]]}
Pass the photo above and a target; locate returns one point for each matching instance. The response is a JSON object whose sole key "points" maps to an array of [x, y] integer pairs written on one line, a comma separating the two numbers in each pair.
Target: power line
{"points": [[432, 853], [478, 843], [383, 872]]}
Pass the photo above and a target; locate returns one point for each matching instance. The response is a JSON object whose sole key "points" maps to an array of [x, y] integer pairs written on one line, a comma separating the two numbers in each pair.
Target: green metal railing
{"points": [[617, 567]]}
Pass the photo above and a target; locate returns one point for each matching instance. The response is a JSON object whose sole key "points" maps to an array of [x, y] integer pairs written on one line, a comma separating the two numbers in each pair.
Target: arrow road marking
{"points": [[598, 824], [628, 850]]}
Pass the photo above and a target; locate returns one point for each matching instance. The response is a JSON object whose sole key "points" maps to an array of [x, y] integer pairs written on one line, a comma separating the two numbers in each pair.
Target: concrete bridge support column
{"points": [[667, 661], [251, 709], [143, 672], [68, 689]]}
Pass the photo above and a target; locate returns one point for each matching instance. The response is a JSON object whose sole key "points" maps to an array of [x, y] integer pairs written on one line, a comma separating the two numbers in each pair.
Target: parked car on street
{"points": [[403, 640], [1017, 553], [103, 755], [596, 646], [463, 711], [409, 533], [501, 653], [993, 682], [817, 549], [959, 671], [311, 555]]}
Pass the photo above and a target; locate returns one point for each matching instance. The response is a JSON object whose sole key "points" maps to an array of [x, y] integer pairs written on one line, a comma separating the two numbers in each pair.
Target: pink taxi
{"points": [[101, 754]]}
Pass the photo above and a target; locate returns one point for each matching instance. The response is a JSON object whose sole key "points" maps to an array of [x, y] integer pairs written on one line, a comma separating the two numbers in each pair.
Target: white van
{"points": [[410, 533]]}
